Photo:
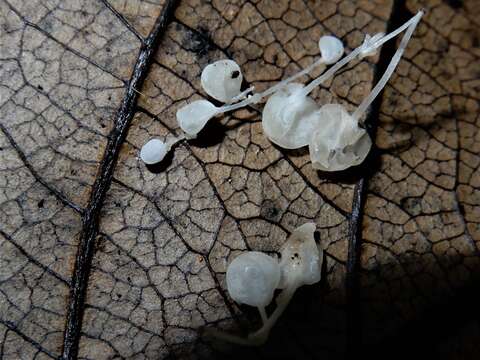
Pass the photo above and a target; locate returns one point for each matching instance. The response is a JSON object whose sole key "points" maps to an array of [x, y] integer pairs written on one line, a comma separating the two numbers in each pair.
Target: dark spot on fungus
{"points": [[41, 203], [40, 87], [235, 74]]}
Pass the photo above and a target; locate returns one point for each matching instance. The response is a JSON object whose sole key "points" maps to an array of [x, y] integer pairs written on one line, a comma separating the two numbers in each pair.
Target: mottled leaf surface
{"points": [[78, 210]]}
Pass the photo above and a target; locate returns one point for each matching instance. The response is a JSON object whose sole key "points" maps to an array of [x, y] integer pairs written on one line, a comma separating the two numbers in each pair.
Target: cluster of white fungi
{"points": [[290, 119]]}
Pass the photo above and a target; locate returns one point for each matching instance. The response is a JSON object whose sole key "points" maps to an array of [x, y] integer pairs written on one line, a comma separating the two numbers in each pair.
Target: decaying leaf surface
{"points": [[400, 234]]}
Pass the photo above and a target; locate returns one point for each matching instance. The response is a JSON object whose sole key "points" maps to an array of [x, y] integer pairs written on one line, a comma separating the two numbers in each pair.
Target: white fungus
{"points": [[331, 49], [285, 120], [252, 277], [153, 151], [301, 259], [339, 142], [222, 80], [300, 265], [336, 141], [194, 116]]}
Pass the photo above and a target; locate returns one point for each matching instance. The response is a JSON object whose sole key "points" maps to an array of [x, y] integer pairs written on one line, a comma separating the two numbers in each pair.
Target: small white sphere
{"points": [[194, 116], [339, 142], [286, 119], [153, 151], [222, 80], [252, 277], [331, 49], [301, 261]]}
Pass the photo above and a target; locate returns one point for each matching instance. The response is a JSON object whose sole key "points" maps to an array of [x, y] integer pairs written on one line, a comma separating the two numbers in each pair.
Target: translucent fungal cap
{"points": [[154, 151], [331, 49], [193, 117], [222, 80], [252, 277], [339, 142], [285, 118], [301, 260]]}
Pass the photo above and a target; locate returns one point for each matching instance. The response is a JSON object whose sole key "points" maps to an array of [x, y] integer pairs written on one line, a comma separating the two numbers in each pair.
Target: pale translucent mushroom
{"points": [[339, 142], [300, 265], [292, 120], [301, 258], [194, 116], [252, 277], [286, 121], [331, 49], [155, 150], [222, 80], [288, 118]]}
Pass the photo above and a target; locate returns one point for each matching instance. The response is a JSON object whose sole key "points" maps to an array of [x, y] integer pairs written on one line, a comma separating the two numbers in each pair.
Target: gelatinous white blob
{"points": [[338, 142], [193, 117], [301, 260], [153, 151], [222, 80], [370, 45], [331, 49], [285, 118], [252, 277], [300, 265]]}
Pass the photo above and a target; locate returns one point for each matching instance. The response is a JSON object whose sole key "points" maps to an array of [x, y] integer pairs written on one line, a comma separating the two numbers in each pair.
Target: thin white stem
{"points": [[173, 141], [236, 106], [307, 89], [283, 300], [242, 95], [394, 33], [259, 96], [391, 67], [263, 314], [261, 335], [283, 83]]}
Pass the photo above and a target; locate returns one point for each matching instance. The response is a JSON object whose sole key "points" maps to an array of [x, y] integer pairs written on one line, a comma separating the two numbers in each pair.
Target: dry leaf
{"points": [[401, 232]]}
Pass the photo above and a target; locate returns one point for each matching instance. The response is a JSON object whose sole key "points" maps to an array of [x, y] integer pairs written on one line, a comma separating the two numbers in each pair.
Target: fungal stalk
{"points": [[410, 26]]}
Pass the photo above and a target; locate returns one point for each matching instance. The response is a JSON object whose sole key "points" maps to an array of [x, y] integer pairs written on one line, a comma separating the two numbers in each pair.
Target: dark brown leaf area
{"points": [[166, 234]]}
